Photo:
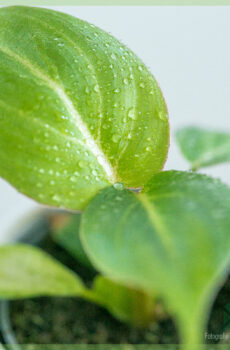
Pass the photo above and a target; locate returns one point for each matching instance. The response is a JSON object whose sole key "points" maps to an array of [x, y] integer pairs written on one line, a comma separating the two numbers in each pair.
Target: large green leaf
{"points": [[203, 147], [26, 271], [173, 239], [78, 110]]}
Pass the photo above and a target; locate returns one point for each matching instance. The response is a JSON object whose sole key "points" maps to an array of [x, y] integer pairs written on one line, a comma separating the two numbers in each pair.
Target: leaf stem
{"points": [[192, 332]]}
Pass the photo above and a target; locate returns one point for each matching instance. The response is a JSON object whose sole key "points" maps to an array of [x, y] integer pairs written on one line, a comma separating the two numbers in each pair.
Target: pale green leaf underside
{"points": [[78, 110], [203, 147], [126, 304], [172, 238], [26, 271], [67, 236]]}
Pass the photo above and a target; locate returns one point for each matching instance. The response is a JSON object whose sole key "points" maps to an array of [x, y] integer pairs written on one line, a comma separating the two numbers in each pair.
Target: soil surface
{"points": [[74, 321]]}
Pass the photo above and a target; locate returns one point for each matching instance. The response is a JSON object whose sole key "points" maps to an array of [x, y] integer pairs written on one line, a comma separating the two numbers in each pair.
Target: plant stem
{"points": [[192, 331]]}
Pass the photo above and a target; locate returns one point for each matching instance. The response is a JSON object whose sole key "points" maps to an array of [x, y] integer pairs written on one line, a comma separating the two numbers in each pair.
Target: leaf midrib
{"points": [[207, 156], [90, 142], [156, 221]]}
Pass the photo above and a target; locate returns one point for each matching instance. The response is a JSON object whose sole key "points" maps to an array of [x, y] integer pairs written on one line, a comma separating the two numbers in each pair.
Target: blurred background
{"points": [[187, 50]]}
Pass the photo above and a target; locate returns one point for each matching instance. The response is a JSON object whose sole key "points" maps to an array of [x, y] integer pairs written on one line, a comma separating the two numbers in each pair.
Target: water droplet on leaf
{"points": [[131, 113], [118, 186]]}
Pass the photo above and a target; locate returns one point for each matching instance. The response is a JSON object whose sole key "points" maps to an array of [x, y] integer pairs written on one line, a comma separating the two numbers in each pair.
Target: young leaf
{"points": [[127, 304], [78, 110], [26, 271], [65, 232], [203, 147], [172, 239]]}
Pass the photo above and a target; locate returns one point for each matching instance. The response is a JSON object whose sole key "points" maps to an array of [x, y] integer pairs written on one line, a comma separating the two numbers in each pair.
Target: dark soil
{"points": [[74, 321]]}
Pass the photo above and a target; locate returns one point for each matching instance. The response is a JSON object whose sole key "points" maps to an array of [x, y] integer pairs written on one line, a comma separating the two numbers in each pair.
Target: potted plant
{"points": [[84, 127]]}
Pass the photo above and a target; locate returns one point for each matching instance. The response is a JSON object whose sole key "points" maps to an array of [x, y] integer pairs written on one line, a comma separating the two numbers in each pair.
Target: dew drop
{"points": [[51, 172], [96, 88], [52, 182], [73, 179], [55, 148], [115, 138], [56, 198], [113, 56], [140, 68], [142, 85], [118, 186], [131, 113], [81, 164], [94, 172], [117, 91], [148, 149], [162, 115], [41, 171], [126, 81]]}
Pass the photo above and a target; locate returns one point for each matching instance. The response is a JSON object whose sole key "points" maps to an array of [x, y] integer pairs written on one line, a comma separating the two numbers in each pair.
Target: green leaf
{"points": [[78, 110], [171, 239], [26, 271], [127, 304], [65, 232], [203, 147]]}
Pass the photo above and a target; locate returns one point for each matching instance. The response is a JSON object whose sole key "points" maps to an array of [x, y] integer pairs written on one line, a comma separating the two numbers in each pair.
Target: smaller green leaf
{"points": [[127, 304], [26, 271], [171, 239], [203, 147], [65, 232]]}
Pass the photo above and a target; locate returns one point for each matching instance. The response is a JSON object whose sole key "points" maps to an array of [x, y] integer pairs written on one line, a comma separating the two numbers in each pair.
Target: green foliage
{"points": [[78, 109], [172, 238], [203, 147], [26, 271], [81, 120]]}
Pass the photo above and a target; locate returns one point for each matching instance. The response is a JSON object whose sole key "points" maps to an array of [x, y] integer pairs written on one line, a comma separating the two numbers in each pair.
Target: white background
{"points": [[188, 51]]}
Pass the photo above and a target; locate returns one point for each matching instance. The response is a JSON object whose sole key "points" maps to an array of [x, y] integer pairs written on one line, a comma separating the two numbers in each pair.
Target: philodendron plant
{"points": [[84, 126]]}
